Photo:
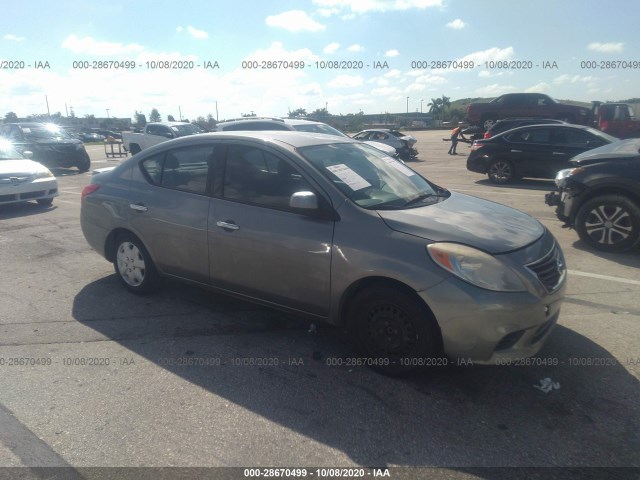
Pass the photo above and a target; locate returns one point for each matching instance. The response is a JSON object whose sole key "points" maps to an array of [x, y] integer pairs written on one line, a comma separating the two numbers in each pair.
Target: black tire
{"points": [[488, 121], [133, 265], [610, 223], [501, 171], [85, 163], [392, 330], [45, 201], [135, 148]]}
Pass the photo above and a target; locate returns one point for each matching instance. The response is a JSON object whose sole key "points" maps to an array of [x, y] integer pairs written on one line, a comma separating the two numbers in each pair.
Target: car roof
{"points": [[292, 138]]}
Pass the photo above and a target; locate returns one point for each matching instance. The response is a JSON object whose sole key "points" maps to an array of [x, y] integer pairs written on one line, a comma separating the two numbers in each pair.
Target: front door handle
{"points": [[138, 207], [559, 153], [228, 225], [516, 151]]}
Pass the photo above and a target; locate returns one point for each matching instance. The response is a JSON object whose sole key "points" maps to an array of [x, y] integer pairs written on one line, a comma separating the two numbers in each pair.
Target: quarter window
{"points": [[182, 169]]}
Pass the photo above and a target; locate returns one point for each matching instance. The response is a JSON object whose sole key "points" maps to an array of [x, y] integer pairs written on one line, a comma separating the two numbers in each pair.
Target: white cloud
{"points": [[385, 91], [13, 38], [491, 54], [539, 87], [365, 6], [90, 46], [346, 81], [611, 47], [355, 48], [563, 79], [194, 32], [294, 21], [456, 24], [391, 53], [494, 90], [331, 48]]}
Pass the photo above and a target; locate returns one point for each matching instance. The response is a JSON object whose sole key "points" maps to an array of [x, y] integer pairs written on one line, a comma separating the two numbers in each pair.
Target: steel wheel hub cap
{"points": [[130, 264]]}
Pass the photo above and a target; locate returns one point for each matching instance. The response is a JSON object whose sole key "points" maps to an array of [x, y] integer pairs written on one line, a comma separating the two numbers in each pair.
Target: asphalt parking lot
{"points": [[92, 376]]}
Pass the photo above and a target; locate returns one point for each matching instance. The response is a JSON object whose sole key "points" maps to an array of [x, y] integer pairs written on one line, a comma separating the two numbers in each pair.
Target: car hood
{"points": [[21, 167], [472, 221], [621, 150]]}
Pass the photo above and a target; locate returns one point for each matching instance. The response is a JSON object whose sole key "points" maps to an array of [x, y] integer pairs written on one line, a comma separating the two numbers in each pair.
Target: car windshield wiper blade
{"points": [[420, 198]]}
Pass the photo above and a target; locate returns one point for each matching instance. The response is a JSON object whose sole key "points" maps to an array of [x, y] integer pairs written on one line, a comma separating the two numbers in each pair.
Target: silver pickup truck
{"points": [[155, 133]]}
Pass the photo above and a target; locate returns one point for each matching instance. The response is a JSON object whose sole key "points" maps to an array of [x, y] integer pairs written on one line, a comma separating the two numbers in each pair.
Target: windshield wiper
{"points": [[424, 196]]}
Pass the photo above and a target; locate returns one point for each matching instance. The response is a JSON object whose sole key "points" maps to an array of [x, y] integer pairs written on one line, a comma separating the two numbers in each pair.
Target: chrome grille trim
{"points": [[550, 269]]}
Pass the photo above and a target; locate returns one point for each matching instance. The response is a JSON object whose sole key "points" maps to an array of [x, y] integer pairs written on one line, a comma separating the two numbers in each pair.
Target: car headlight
{"points": [[475, 267], [44, 174], [567, 172]]}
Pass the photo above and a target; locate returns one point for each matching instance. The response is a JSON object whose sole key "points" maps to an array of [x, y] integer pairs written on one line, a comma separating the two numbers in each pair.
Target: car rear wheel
{"points": [[501, 172], [392, 330], [488, 121], [609, 222], [135, 148], [134, 266]]}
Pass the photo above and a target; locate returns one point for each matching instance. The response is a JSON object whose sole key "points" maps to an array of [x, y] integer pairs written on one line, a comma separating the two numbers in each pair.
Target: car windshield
{"points": [[318, 128], [371, 178], [7, 152], [186, 129], [45, 131]]}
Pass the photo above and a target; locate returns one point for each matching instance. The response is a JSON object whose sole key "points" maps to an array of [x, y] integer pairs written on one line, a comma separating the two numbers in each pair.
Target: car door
{"points": [[259, 246], [567, 142], [169, 209], [528, 150]]}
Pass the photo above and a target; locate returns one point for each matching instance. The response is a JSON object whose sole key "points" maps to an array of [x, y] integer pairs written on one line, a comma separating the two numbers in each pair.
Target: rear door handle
{"points": [[559, 153], [229, 225], [516, 151], [138, 207]]}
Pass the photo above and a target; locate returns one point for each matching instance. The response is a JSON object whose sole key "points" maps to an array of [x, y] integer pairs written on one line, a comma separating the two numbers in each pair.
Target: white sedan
{"points": [[22, 179]]}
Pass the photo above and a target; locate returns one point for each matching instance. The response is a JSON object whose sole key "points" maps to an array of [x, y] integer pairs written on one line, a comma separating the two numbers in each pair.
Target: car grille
{"points": [[550, 269], [15, 180]]}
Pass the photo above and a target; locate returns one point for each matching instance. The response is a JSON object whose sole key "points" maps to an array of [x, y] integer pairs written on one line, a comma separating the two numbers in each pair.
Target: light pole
{"points": [[407, 105], [107, 113], [421, 100]]}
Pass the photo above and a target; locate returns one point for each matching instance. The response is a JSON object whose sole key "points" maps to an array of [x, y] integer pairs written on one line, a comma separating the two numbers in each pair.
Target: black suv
{"points": [[600, 195], [51, 145]]}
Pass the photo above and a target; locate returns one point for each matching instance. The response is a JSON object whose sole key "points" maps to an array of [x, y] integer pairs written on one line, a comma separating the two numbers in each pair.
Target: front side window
{"points": [[253, 175], [371, 178], [182, 168], [538, 135]]}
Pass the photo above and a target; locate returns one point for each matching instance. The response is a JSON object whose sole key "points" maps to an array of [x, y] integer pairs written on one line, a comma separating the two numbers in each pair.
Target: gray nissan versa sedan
{"points": [[338, 231]]}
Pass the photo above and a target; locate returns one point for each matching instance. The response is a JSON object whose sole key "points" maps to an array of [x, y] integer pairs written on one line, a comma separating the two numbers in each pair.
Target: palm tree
{"points": [[434, 106], [444, 102]]}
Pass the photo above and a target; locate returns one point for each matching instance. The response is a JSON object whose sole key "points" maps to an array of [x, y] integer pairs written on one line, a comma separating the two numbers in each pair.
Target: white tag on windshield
{"points": [[348, 176]]}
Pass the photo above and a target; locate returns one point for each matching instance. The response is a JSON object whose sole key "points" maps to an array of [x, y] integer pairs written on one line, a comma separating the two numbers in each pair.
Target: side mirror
{"points": [[304, 201], [28, 154]]}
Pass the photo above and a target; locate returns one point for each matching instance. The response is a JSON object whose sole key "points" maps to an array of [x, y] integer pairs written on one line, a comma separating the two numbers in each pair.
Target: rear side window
{"points": [[538, 135], [181, 168]]}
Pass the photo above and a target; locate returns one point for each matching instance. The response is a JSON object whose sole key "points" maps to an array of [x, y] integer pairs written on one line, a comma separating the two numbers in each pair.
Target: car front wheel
{"points": [[609, 222], [501, 171], [392, 330], [85, 163], [134, 266]]}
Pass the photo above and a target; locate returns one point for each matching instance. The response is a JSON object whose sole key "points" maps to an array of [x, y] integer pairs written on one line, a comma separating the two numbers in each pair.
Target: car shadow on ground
{"points": [[524, 183], [455, 416], [24, 209], [66, 172], [629, 258]]}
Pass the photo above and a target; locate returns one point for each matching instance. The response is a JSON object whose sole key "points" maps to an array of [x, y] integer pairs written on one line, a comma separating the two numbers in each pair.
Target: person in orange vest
{"points": [[455, 133]]}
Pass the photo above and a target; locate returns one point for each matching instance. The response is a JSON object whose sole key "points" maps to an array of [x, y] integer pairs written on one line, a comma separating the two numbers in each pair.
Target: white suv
{"points": [[274, 123]]}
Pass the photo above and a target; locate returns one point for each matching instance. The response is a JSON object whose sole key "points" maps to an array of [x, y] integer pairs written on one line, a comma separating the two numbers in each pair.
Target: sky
{"points": [[348, 56]]}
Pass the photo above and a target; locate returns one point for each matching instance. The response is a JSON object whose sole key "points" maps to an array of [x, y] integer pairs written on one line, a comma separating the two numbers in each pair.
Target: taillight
{"points": [[88, 190], [476, 146], [486, 135]]}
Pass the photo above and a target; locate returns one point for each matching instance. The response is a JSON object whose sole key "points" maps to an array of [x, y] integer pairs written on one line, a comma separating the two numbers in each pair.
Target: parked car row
{"points": [[22, 179]]}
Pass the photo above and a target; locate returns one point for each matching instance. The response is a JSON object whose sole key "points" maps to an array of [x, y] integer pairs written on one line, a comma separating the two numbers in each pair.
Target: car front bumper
{"points": [[38, 189], [487, 327]]}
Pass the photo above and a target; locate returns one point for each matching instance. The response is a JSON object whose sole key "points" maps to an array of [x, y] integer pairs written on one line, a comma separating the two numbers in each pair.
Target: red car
{"points": [[485, 114]]}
